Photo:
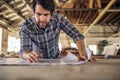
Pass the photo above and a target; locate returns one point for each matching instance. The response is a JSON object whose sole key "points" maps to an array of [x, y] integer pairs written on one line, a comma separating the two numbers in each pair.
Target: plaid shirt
{"points": [[33, 38]]}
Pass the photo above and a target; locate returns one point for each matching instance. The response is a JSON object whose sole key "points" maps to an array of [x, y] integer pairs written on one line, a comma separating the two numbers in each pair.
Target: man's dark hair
{"points": [[46, 4]]}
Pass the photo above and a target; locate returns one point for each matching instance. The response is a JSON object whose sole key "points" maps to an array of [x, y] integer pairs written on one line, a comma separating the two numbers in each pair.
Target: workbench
{"points": [[102, 69]]}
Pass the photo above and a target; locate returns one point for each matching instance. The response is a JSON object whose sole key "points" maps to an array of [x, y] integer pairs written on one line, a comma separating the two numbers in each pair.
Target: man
{"points": [[39, 35]]}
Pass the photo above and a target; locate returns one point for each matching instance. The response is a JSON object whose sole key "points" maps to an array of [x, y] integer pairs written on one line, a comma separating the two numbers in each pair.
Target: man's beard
{"points": [[43, 25]]}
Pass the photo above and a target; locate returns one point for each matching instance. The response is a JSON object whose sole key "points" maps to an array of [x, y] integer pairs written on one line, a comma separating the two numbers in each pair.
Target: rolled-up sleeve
{"points": [[69, 29]]}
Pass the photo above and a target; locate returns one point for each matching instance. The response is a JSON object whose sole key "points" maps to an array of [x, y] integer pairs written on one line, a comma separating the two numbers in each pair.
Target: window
{"points": [[13, 44]]}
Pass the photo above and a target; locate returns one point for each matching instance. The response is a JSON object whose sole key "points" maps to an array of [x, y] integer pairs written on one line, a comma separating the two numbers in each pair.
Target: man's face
{"points": [[42, 16]]}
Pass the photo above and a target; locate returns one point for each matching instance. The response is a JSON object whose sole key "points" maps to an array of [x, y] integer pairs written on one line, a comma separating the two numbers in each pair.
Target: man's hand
{"points": [[31, 56], [84, 57]]}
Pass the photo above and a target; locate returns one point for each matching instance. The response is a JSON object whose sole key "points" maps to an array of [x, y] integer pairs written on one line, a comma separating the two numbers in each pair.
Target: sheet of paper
{"points": [[89, 53], [69, 59], [73, 60]]}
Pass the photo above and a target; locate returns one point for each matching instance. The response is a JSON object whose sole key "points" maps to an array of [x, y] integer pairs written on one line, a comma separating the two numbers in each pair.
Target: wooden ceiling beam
{"points": [[105, 19], [95, 14], [80, 14], [76, 9], [97, 3], [27, 2], [5, 21], [111, 10], [100, 15], [115, 20], [13, 10], [114, 35], [87, 16]]}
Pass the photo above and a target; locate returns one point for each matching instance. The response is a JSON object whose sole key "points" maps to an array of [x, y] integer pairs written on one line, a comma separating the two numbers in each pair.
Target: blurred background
{"points": [[97, 20]]}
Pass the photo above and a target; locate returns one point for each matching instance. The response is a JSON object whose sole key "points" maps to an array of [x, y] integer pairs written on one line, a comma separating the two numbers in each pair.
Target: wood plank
{"points": [[90, 4], [98, 3], [110, 71]]}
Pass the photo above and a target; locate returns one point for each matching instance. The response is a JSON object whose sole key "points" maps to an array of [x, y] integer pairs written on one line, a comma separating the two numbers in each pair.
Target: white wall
{"points": [[100, 31], [90, 41]]}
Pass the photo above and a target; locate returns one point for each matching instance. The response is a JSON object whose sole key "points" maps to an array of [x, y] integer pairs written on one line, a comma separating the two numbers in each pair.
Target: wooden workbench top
{"points": [[102, 69]]}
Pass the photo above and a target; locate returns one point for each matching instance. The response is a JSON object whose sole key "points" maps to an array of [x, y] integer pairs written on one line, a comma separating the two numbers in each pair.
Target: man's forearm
{"points": [[82, 51], [81, 47]]}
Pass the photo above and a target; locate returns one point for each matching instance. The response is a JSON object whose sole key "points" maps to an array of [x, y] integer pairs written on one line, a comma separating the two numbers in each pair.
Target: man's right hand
{"points": [[31, 56]]}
